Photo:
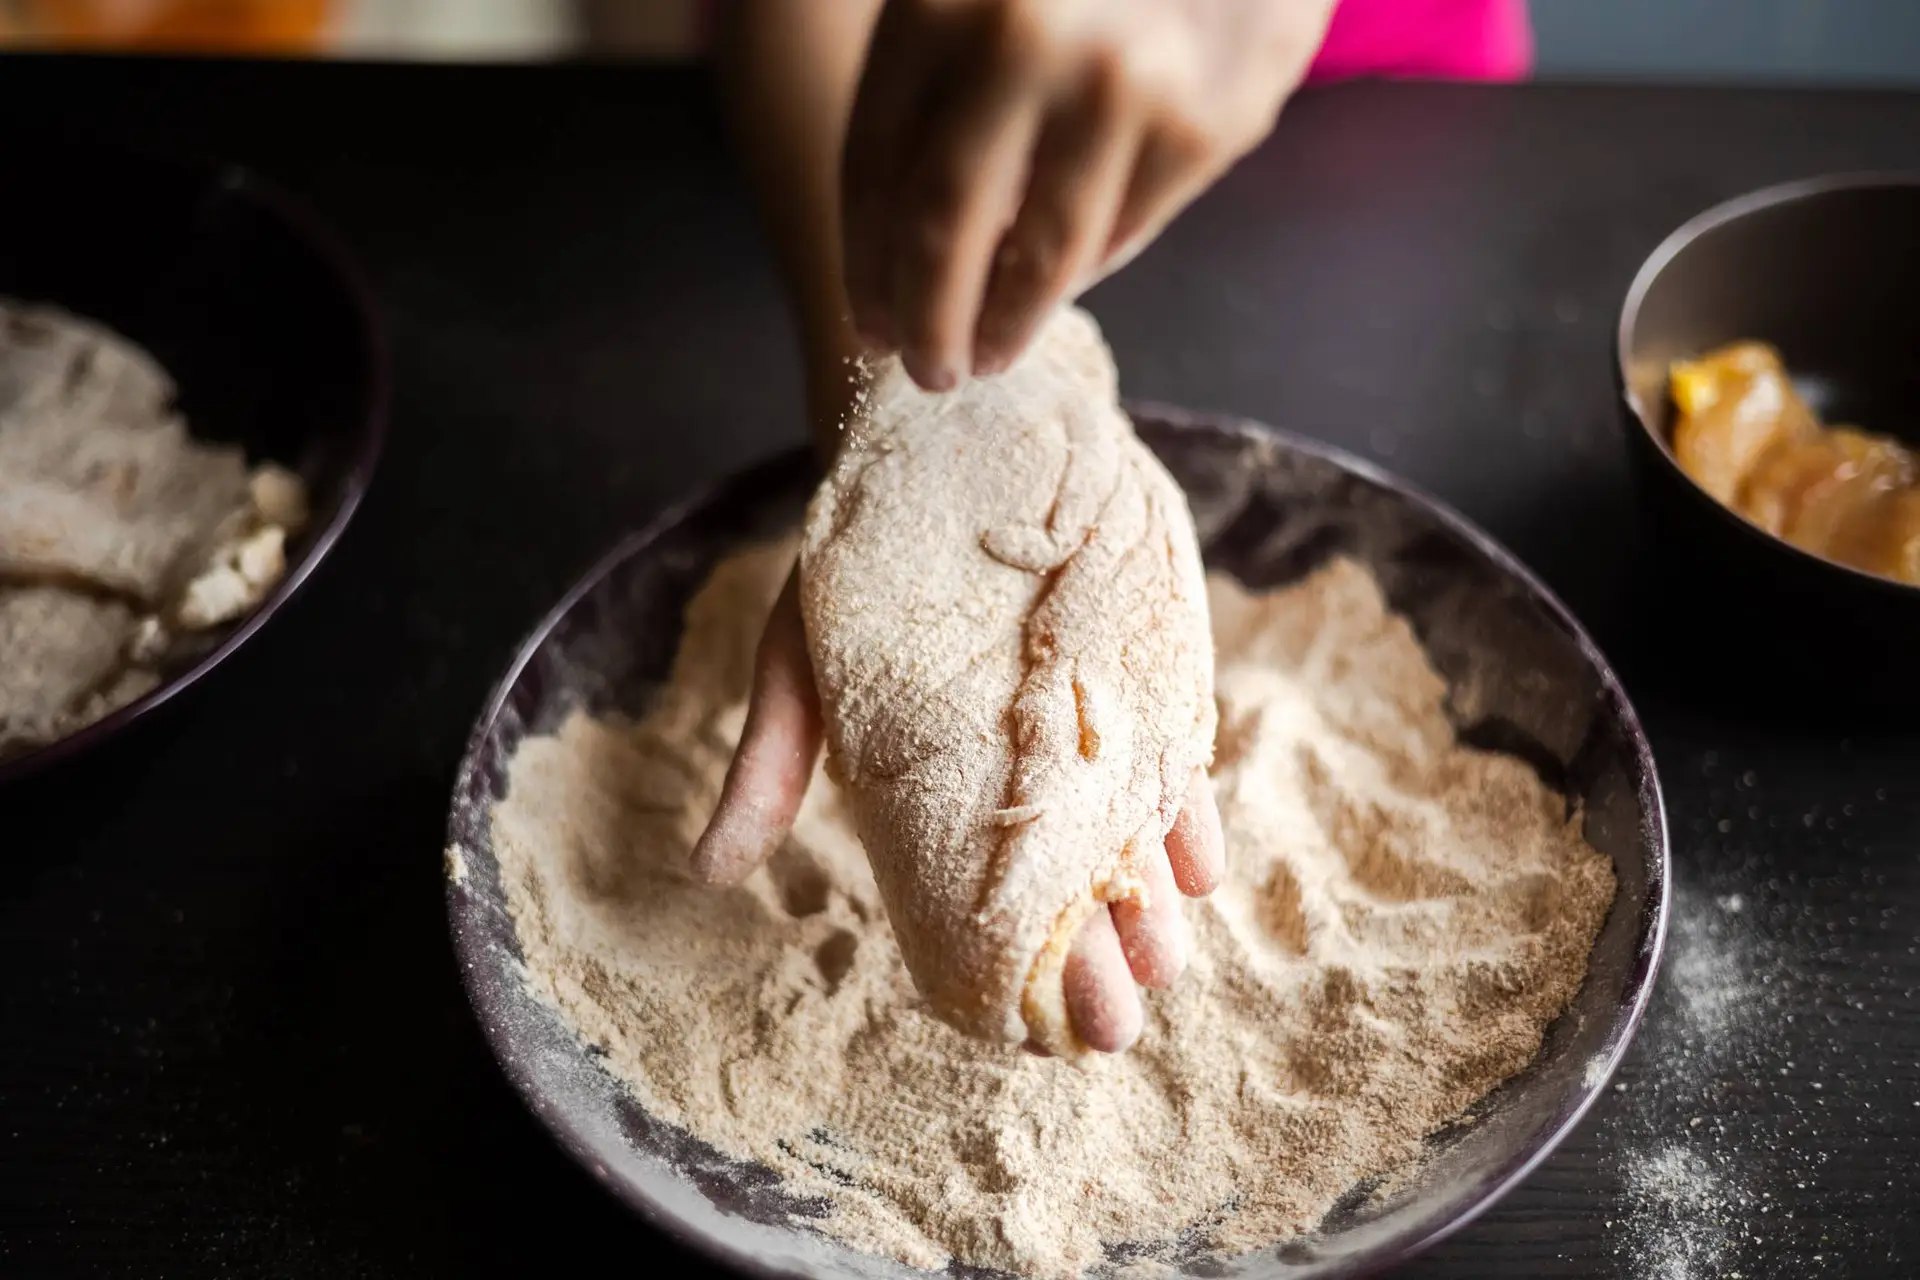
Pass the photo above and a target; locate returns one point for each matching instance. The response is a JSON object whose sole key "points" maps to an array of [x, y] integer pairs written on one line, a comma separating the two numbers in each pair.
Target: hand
{"points": [[768, 779], [1003, 154]]}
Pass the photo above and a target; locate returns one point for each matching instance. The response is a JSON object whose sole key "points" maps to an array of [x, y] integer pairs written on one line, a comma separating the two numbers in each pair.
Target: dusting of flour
{"points": [[1401, 920]]}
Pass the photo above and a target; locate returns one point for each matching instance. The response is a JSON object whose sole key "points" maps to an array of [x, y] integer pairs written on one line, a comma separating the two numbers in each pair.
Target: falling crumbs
{"points": [[1401, 920]]}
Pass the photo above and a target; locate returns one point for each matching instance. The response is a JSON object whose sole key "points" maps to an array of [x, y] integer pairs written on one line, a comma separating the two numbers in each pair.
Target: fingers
{"points": [[1153, 937], [1173, 166], [1129, 943], [1097, 988], [1196, 848], [957, 197], [894, 87], [768, 777], [1079, 174]]}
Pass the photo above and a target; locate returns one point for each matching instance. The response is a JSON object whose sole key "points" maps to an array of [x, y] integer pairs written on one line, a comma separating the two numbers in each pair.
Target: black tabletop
{"points": [[232, 1039]]}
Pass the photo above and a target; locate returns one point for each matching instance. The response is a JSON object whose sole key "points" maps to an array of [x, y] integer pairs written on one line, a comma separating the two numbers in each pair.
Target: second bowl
{"points": [[1827, 271], [250, 305]]}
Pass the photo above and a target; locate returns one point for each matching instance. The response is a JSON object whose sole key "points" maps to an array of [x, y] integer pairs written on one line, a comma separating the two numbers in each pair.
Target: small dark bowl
{"points": [[250, 304], [1270, 508], [1828, 270]]}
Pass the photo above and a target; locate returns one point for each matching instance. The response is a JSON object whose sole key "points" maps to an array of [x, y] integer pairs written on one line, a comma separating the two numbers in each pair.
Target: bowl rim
{"points": [[311, 231], [1672, 246], [480, 967]]}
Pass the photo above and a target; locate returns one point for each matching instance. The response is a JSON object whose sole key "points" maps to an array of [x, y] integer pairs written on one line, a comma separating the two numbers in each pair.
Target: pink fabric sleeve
{"points": [[1437, 39]]}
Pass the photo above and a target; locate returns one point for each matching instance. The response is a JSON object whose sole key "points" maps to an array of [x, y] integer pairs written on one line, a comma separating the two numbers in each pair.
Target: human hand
{"points": [[1004, 154], [768, 779]]}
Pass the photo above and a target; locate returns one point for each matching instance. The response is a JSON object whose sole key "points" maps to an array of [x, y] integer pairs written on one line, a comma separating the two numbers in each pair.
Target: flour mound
{"points": [[100, 483], [124, 541], [1007, 616], [1401, 920]]}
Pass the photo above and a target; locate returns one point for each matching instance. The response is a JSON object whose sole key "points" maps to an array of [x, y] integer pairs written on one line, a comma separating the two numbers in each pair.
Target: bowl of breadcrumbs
{"points": [[1443, 911]]}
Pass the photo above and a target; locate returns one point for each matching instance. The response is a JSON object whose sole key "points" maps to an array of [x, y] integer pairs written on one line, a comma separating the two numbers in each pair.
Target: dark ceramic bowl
{"points": [[1270, 508], [1828, 270], [250, 304]]}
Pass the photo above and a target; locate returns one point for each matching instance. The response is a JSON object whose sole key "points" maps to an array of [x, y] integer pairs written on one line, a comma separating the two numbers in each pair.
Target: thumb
{"points": [[778, 747]]}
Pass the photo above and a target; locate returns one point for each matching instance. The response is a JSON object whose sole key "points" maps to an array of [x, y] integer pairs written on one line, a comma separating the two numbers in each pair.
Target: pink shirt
{"points": [[1422, 39], [1434, 39]]}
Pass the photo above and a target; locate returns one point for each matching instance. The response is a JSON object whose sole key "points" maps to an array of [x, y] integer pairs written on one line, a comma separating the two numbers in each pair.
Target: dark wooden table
{"points": [[231, 1036]]}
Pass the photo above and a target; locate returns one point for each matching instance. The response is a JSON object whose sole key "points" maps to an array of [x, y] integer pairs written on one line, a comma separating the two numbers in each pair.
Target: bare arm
{"points": [[788, 72]]}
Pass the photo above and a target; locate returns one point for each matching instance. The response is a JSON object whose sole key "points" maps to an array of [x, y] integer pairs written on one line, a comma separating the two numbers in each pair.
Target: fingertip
{"points": [[997, 355], [996, 352], [719, 860], [929, 373], [1098, 990], [1156, 954], [771, 768], [1154, 936], [1196, 846]]}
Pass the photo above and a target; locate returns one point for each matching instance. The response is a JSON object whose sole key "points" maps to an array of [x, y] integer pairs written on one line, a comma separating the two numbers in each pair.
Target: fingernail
{"points": [[937, 376]]}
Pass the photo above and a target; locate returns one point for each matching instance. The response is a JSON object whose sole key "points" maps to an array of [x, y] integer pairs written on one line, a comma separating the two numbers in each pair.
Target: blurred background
{"points": [[1860, 42]]}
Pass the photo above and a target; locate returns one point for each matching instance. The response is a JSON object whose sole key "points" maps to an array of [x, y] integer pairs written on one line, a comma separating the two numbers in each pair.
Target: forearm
{"points": [[788, 72]]}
